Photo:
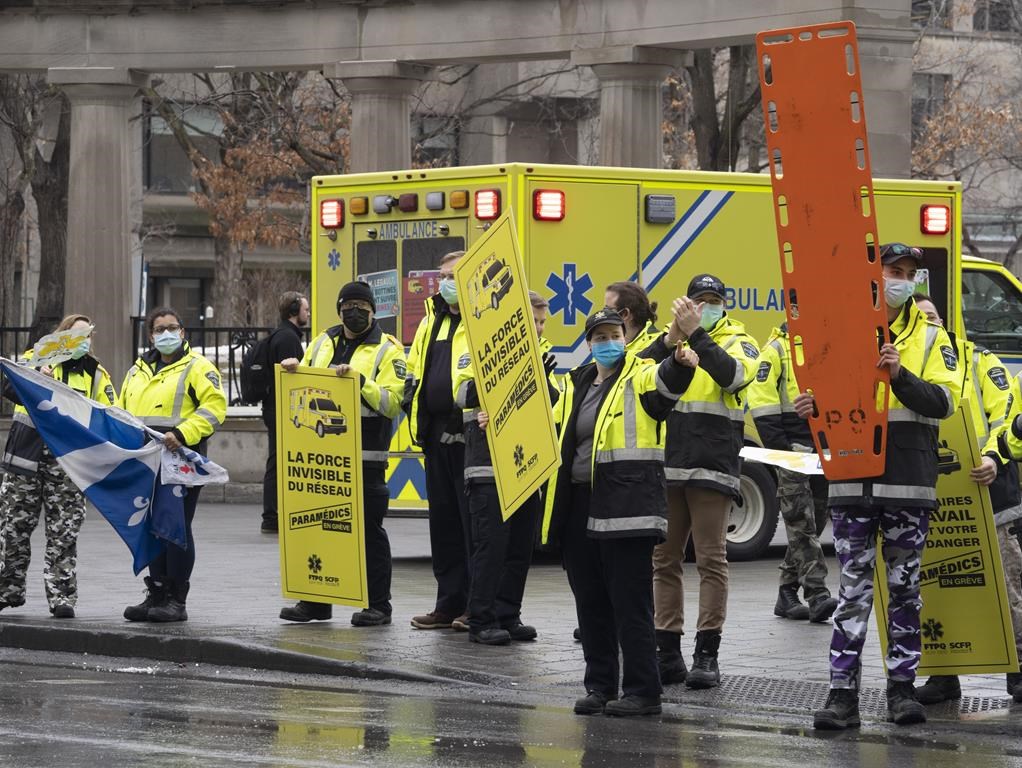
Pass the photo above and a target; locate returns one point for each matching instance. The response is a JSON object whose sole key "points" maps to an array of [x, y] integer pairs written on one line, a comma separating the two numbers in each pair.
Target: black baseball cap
{"points": [[605, 316], [356, 290], [892, 252], [705, 283]]}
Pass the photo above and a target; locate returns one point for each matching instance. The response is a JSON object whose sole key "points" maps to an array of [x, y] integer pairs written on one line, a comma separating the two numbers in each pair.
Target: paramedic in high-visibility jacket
{"points": [[924, 390], [434, 419], [993, 396], [606, 506], [639, 313], [175, 390], [802, 499], [704, 435], [358, 343]]}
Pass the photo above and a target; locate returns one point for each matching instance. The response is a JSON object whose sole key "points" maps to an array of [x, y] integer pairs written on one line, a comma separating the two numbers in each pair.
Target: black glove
{"points": [[549, 363]]}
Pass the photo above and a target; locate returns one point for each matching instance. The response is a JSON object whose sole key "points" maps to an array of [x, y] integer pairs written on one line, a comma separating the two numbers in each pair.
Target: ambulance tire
{"points": [[319, 429], [296, 422], [753, 520]]}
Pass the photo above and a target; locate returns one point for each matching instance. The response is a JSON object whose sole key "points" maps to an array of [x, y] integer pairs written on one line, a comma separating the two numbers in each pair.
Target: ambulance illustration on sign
{"points": [[489, 284], [313, 408]]}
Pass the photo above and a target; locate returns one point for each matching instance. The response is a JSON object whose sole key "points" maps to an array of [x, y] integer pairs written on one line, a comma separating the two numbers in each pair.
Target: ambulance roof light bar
{"points": [[548, 205], [935, 219]]}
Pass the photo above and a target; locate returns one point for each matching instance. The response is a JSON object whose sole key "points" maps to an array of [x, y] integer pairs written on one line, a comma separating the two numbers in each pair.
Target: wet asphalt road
{"points": [[106, 713]]}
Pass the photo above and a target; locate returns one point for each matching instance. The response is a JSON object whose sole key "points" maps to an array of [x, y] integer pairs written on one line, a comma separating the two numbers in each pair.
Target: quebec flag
{"points": [[105, 453]]}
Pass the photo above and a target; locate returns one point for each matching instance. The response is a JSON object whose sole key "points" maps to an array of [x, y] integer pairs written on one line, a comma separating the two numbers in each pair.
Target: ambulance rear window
{"points": [[372, 256]]}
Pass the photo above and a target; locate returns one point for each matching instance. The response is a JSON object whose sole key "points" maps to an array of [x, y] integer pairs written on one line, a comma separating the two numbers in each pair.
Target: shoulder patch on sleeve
{"points": [[764, 371], [400, 367], [109, 391], [950, 359], [999, 377], [750, 350], [214, 378], [464, 361]]}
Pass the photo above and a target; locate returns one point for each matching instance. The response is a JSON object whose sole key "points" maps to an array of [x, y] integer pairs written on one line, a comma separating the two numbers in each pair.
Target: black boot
{"points": [[669, 658], [173, 608], [630, 706], [156, 594], [821, 608], [304, 610], [705, 672], [788, 606], [902, 707], [1014, 686], [939, 688], [841, 711]]}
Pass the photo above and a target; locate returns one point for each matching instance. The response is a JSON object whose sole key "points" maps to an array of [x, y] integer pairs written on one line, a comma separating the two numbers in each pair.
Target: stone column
{"points": [[631, 104], [98, 274], [380, 111], [885, 58]]}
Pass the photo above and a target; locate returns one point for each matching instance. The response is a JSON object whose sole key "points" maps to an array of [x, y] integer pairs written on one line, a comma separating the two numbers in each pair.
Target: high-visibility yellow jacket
{"points": [[927, 391], [380, 361], [771, 396], [707, 426], [628, 485], [24, 445], [643, 339], [184, 396], [987, 386], [439, 325]]}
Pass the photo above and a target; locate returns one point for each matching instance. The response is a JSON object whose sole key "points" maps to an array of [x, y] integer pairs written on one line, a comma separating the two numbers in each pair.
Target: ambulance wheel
{"points": [[297, 423], [319, 429], [753, 519], [494, 301]]}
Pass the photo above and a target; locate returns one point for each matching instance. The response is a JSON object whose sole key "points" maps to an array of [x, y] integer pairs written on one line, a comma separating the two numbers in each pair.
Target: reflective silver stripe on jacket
{"points": [[766, 410], [716, 408], [469, 417], [721, 478], [317, 346], [23, 418], [631, 428], [447, 438], [846, 489], [12, 460], [375, 456], [96, 380], [209, 416], [158, 422], [629, 454], [981, 436], [623, 524], [931, 338], [182, 386], [908, 415], [661, 387], [907, 492], [471, 472], [379, 359], [1009, 515], [384, 402], [461, 396]]}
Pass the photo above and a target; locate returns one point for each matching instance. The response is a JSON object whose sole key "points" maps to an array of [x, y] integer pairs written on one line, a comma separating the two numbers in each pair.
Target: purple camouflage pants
{"points": [[855, 542]]}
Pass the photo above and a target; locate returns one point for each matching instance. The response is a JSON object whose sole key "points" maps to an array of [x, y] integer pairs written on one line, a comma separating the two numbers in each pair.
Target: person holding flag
{"points": [[177, 391], [34, 484]]}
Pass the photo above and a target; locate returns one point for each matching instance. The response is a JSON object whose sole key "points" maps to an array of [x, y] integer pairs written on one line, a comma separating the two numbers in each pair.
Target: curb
{"points": [[206, 650]]}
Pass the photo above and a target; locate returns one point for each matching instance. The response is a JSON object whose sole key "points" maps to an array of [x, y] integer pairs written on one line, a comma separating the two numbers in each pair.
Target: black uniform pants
{"points": [[613, 584], [449, 529], [375, 502], [174, 565], [501, 555], [270, 476]]}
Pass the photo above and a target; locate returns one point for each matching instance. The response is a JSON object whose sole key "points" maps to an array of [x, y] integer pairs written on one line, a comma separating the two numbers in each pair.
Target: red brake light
{"points": [[935, 219], [548, 205], [487, 204], [331, 214]]}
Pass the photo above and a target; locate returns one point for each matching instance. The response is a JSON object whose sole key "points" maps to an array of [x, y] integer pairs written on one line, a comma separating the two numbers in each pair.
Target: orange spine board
{"points": [[827, 237]]}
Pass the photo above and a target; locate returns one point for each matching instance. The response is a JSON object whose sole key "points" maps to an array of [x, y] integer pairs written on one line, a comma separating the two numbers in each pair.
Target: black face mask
{"points": [[355, 319]]}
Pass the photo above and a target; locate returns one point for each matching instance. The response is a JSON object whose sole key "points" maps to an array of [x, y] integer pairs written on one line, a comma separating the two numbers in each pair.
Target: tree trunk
{"points": [[705, 125], [50, 189], [228, 290], [10, 229]]}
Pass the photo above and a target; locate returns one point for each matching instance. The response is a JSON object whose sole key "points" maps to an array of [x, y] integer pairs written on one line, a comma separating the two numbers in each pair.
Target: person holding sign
{"points": [[987, 385], [771, 397], [924, 389], [435, 422], [359, 344], [704, 435], [34, 485], [607, 508]]}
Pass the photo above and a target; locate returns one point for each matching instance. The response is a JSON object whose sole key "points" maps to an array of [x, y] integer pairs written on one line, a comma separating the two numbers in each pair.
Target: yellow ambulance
{"points": [[582, 228]]}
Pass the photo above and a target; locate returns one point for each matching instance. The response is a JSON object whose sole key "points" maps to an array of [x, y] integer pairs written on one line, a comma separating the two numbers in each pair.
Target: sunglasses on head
{"points": [[898, 249]]}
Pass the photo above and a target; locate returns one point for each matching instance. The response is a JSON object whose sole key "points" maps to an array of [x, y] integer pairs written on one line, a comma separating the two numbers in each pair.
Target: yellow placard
{"points": [[965, 618], [319, 487], [510, 379]]}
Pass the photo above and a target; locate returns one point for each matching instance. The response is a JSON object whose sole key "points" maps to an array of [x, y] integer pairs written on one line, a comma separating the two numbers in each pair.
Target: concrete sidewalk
{"points": [[767, 663]]}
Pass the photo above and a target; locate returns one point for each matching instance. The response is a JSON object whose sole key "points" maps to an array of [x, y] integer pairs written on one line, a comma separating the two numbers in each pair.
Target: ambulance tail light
{"points": [[548, 205], [935, 219], [331, 214], [487, 204]]}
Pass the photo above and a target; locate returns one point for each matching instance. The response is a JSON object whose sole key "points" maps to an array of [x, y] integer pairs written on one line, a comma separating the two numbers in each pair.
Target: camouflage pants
{"points": [[1011, 558], [23, 499], [855, 541], [803, 564]]}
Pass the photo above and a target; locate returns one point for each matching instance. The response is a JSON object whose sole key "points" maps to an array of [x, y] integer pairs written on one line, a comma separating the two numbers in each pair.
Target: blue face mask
{"points": [[168, 342], [81, 350], [608, 353], [449, 291], [711, 315]]}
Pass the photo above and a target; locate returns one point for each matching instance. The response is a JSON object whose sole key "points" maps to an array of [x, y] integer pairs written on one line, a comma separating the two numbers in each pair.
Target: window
{"points": [[929, 95], [993, 16], [434, 141], [931, 13], [992, 311], [166, 167]]}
